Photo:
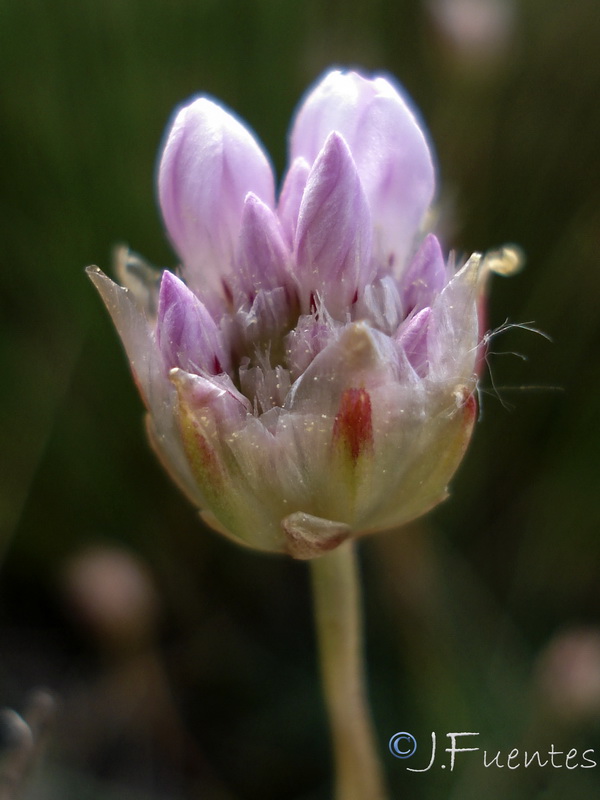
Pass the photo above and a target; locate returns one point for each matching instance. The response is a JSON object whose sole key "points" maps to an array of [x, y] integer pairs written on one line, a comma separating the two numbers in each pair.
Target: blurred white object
{"points": [[479, 30], [112, 592], [569, 674]]}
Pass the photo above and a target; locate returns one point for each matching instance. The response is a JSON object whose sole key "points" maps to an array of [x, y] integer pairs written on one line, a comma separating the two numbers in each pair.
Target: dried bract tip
{"points": [[507, 260]]}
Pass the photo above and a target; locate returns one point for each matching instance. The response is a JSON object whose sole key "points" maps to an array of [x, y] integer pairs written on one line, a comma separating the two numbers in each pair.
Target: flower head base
{"points": [[310, 375]]}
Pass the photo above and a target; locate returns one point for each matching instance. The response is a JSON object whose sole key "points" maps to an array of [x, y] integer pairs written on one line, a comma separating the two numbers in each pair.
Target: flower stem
{"points": [[336, 592]]}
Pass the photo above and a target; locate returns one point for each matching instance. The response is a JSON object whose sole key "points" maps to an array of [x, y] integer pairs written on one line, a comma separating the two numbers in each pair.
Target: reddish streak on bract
{"points": [[470, 406], [353, 424]]}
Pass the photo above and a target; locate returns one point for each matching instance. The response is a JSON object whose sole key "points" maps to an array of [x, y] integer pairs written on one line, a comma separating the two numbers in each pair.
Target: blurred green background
{"points": [[201, 681]]}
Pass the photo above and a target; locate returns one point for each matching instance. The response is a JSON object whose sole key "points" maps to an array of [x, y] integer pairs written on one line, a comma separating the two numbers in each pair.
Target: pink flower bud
{"points": [[209, 163], [312, 374], [388, 146], [333, 237]]}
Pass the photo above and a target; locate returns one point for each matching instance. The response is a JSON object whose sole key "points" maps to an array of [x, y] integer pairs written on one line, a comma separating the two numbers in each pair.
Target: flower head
{"points": [[309, 373]]}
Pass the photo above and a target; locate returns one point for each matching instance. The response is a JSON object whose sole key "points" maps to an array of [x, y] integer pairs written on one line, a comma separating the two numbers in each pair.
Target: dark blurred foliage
{"points": [[483, 617]]}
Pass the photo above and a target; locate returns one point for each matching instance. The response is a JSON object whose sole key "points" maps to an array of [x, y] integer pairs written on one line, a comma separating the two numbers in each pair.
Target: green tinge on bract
{"points": [[255, 493], [228, 508], [422, 483]]}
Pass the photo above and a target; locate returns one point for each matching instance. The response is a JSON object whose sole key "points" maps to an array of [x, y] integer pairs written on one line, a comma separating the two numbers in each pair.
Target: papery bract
{"points": [[310, 376]]}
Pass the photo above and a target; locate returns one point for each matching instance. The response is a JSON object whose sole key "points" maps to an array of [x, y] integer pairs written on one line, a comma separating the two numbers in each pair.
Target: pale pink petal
{"points": [[333, 239], [291, 197], [209, 164], [307, 339], [425, 276], [263, 258], [389, 148], [412, 338], [381, 304], [186, 334]]}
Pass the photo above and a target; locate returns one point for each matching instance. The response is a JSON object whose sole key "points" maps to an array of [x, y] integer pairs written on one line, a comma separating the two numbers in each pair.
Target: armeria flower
{"points": [[309, 372]]}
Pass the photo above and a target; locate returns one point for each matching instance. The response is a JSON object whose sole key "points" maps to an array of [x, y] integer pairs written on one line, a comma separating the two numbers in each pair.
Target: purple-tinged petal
{"points": [[268, 316], [291, 197], [336, 103], [186, 334], [381, 305], [307, 339], [333, 239], [209, 164], [389, 148], [412, 338], [267, 387], [265, 320], [425, 276], [263, 256]]}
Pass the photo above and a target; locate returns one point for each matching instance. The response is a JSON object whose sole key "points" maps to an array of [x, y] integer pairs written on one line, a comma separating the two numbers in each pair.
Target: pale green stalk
{"points": [[336, 591]]}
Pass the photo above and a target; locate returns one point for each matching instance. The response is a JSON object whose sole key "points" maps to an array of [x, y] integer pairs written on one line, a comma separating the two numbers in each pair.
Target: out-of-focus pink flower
{"points": [[568, 674], [309, 373], [111, 592], [478, 31]]}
